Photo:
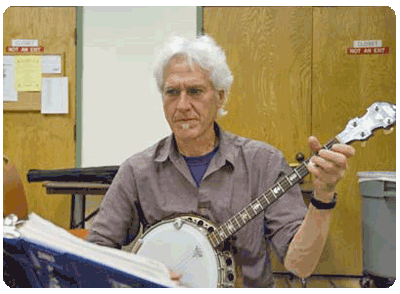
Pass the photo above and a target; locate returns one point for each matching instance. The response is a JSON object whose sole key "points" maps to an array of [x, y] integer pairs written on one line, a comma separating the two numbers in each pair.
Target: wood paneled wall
{"points": [[293, 78], [269, 53], [33, 140], [343, 87]]}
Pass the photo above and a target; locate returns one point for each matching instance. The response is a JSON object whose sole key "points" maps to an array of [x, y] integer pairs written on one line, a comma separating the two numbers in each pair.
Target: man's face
{"points": [[190, 102]]}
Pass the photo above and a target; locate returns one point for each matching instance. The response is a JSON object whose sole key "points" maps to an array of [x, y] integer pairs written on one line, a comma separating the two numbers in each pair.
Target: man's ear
{"points": [[221, 98]]}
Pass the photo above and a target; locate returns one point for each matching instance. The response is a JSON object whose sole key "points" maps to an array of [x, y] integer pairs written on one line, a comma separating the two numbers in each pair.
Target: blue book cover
{"points": [[53, 258]]}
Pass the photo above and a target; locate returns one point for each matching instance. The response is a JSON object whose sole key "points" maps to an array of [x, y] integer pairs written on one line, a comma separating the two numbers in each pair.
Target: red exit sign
{"points": [[368, 50], [25, 49]]}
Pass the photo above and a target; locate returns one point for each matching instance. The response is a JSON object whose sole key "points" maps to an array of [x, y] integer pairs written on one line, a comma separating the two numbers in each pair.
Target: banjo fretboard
{"points": [[250, 211]]}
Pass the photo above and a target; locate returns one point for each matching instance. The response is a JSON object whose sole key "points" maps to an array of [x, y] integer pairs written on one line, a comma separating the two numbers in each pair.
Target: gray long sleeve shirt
{"points": [[156, 183]]}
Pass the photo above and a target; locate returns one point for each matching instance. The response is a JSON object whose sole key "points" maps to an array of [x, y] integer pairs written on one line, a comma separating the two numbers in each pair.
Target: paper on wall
{"points": [[51, 64], [9, 92], [28, 73], [54, 95]]}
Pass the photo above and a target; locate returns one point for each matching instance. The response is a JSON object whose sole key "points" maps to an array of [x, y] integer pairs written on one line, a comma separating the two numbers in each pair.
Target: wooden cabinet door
{"points": [[293, 78], [269, 53], [42, 141], [343, 87]]}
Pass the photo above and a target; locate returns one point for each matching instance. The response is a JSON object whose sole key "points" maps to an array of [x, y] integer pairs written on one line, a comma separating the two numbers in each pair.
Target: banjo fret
{"points": [[245, 215], [258, 201], [294, 177], [290, 182], [222, 233], [298, 175], [215, 239], [265, 196], [230, 227], [226, 229], [254, 209], [277, 190], [235, 219]]}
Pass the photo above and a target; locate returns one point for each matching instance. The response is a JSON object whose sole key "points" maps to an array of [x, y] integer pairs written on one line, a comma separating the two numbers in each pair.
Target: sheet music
{"points": [[43, 232]]}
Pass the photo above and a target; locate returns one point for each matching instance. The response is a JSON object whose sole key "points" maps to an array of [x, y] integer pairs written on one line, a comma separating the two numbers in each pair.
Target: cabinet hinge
{"points": [[76, 36]]}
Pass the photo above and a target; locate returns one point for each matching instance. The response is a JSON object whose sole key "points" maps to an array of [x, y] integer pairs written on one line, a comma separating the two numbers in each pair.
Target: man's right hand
{"points": [[174, 277]]}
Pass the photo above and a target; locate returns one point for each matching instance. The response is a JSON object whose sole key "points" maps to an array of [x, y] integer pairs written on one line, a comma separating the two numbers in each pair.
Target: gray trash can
{"points": [[378, 190]]}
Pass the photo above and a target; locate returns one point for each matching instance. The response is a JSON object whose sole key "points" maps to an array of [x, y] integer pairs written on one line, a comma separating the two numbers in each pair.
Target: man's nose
{"points": [[183, 101]]}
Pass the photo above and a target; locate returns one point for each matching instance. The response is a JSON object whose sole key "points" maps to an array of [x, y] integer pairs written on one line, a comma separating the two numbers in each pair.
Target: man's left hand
{"points": [[328, 167]]}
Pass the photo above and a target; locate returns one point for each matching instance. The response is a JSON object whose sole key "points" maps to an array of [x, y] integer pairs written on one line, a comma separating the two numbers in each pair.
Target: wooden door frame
{"points": [[79, 74]]}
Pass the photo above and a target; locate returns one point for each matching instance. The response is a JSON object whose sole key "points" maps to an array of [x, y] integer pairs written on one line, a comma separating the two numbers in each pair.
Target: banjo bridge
{"points": [[197, 252]]}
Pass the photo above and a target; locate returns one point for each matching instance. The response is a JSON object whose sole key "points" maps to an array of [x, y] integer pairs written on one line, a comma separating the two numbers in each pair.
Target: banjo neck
{"points": [[258, 205], [379, 115]]}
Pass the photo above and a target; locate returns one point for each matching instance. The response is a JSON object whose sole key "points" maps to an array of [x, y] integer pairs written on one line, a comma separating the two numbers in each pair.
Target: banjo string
{"points": [[185, 262], [184, 259]]}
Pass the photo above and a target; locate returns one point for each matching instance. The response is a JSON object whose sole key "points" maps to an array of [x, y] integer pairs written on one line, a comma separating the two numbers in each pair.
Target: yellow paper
{"points": [[28, 73]]}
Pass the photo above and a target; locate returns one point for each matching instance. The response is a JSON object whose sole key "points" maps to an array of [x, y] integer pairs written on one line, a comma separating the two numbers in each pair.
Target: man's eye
{"points": [[194, 91], [172, 92]]}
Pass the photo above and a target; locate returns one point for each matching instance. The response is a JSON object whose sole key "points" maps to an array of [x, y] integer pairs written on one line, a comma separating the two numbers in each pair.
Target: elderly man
{"points": [[205, 170]]}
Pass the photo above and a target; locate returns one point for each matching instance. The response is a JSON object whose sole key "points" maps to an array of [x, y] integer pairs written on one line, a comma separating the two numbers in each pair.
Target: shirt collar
{"points": [[225, 152]]}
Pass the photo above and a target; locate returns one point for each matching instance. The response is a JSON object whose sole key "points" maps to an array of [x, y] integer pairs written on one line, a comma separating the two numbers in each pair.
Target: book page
{"points": [[47, 234]]}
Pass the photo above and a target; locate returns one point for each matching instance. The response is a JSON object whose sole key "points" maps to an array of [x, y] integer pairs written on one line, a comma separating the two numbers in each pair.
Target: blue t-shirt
{"points": [[198, 165]]}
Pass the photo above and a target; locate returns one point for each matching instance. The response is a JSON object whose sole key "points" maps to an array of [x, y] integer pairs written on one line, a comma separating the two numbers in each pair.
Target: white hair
{"points": [[202, 51]]}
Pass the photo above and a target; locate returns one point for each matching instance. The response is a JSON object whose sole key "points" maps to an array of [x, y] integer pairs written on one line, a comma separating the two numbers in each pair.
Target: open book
{"points": [[55, 258]]}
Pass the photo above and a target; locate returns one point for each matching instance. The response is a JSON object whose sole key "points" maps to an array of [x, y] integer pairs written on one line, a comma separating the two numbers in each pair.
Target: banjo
{"points": [[199, 251]]}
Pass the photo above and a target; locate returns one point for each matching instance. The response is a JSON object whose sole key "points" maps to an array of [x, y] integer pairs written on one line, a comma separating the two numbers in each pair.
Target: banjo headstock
{"points": [[379, 115]]}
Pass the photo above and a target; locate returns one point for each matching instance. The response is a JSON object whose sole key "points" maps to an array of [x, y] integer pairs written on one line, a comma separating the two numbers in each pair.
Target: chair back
{"points": [[14, 197]]}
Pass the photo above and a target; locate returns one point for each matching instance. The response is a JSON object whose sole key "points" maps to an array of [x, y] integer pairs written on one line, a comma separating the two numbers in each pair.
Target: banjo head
{"points": [[182, 245]]}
